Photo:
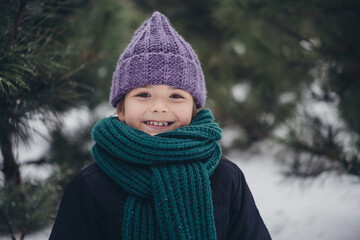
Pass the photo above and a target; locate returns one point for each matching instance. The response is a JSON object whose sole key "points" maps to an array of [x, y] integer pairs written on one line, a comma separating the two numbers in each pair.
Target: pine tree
{"points": [[35, 84], [307, 49]]}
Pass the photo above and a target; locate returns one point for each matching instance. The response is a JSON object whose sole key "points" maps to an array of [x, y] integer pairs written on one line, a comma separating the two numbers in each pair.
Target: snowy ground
{"points": [[327, 208]]}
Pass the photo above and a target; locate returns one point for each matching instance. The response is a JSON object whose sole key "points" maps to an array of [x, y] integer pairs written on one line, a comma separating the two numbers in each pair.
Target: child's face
{"points": [[157, 108]]}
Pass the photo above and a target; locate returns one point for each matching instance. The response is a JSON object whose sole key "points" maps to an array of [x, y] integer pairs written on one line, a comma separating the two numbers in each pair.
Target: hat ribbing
{"points": [[158, 55]]}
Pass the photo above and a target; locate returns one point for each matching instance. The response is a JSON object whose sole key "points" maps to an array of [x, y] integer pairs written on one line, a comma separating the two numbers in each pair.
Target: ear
{"points": [[120, 112]]}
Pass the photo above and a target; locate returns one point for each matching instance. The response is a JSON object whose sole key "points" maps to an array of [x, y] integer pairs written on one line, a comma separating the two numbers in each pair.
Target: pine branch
{"points": [[96, 43], [7, 222], [18, 22], [40, 161]]}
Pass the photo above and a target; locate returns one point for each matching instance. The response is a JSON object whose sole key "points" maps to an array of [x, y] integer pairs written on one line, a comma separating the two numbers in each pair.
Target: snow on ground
{"points": [[327, 208]]}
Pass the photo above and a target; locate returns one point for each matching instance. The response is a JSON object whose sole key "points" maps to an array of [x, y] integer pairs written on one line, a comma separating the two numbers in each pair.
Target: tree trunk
{"points": [[11, 168]]}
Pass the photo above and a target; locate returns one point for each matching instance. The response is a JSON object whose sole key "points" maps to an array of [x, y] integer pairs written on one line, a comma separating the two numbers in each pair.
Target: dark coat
{"points": [[92, 207]]}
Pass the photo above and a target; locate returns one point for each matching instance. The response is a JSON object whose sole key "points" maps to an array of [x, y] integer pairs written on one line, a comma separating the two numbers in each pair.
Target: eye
{"points": [[177, 96], [143, 95]]}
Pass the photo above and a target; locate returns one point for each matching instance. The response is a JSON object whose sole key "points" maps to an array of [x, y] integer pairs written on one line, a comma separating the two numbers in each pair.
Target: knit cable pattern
{"points": [[158, 55], [166, 176]]}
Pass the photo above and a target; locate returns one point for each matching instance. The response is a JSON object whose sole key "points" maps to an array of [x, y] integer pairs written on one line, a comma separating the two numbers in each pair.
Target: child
{"points": [[159, 173]]}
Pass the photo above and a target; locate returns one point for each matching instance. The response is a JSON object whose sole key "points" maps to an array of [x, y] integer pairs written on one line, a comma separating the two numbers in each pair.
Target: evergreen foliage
{"points": [[27, 208], [35, 84], [33, 69], [75, 157]]}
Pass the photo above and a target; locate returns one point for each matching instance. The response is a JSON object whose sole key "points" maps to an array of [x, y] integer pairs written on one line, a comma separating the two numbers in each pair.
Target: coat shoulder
{"points": [[227, 166], [104, 190], [225, 181]]}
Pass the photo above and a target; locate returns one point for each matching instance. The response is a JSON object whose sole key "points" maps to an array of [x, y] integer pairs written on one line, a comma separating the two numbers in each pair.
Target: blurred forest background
{"points": [[281, 71]]}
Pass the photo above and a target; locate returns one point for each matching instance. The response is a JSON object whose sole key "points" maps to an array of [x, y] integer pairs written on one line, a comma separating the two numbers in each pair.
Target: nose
{"points": [[159, 106]]}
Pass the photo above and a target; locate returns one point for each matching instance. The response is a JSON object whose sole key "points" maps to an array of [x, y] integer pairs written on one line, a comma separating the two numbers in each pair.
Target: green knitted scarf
{"points": [[166, 176]]}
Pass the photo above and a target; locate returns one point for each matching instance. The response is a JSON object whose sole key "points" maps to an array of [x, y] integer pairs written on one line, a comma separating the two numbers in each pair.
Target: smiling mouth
{"points": [[158, 124]]}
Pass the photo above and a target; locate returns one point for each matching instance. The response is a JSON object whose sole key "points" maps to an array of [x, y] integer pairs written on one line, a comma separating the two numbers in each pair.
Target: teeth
{"points": [[157, 123]]}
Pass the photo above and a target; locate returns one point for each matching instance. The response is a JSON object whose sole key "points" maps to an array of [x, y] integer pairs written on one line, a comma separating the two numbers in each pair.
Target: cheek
{"points": [[132, 118], [131, 115], [185, 114], [187, 121], [121, 116]]}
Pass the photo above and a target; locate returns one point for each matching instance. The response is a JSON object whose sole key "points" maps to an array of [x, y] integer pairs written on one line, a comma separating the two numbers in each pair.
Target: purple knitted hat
{"points": [[158, 55]]}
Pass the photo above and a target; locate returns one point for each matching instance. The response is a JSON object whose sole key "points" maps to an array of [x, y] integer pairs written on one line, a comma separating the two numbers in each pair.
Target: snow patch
{"points": [[326, 208], [240, 91]]}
